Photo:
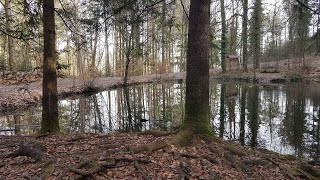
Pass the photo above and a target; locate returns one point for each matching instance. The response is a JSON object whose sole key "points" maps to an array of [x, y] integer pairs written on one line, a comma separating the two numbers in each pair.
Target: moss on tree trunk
{"points": [[197, 120]]}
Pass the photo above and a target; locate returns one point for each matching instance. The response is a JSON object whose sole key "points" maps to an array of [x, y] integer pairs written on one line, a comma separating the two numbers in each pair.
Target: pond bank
{"points": [[116, 156], [15, 98]]}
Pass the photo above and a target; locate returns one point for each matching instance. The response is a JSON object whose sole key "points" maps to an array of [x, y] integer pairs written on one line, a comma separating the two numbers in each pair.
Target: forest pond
{"points": [[280, 118]]}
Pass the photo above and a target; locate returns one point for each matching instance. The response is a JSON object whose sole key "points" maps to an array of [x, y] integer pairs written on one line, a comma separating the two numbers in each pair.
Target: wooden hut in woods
{"points": [[233, 62]]}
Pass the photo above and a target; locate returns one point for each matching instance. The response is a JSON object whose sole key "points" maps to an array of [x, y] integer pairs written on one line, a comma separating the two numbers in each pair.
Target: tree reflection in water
{"points": [[281, 118]]}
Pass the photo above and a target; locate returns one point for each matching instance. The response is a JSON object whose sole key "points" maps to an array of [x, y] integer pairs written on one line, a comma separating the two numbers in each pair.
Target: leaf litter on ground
{"points": [[96, 156]]}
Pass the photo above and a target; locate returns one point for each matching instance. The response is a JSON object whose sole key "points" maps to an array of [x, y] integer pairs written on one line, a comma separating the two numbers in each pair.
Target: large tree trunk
{"points": [[50, 121], [197, 80]]}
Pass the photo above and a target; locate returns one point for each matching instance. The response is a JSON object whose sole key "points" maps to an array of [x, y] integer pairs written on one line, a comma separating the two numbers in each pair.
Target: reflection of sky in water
{"points": [[163, 106]]}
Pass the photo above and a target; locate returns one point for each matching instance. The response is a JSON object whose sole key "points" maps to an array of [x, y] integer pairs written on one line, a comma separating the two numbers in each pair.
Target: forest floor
{"points": [[18, 94], [122, 156]]}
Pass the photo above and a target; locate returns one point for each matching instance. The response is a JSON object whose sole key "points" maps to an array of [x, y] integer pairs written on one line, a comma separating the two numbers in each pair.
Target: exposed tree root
{"points": [[27, 177], [82, 164], [239, 166], [96, 169], [304, 171], [255, 162], [178, 155], [207, 156], [234, 150], [158, 133], [47, 168], [149, 148], [139, 160], [30, 149], [182, 138], [314, 163], [77, 138], [310, 170]]}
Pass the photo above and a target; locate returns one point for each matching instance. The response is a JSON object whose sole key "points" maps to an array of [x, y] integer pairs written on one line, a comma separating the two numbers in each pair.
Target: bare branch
{"points": [[309, 8], [184, 9]]}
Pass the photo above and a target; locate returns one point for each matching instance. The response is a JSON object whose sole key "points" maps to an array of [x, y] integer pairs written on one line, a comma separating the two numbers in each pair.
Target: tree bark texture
{"points": [[197, 80], [50, 121], [256, 35]]}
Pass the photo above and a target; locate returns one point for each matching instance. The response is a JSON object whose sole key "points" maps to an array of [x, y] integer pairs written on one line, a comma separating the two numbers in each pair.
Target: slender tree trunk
{"points": [[223, 37], [243, 114], [79, 58], [129, 111], [68, 54], [163, 36], [253, 108], [164, 102], [94, 54], [126, 71], [9, 30], [109, 111], [97, 110], [106, 39], [256, 35], [17, 121], [107, 58], [50, 121], [82, 113], [233, 36], [222, 110], [197, 80], [245, 36]]}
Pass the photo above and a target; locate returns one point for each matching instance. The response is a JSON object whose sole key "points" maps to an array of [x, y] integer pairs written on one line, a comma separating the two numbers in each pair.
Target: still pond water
{"points": [[282, 118]]}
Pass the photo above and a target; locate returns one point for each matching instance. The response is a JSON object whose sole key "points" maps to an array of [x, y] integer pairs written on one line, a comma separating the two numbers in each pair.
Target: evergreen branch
{"points": [[64, 10], [66, 24], [14, 36], [146, 8]]}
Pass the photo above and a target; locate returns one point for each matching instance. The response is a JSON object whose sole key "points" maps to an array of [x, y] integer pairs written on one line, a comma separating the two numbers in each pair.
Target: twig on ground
{"points": [[137, 166]]}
